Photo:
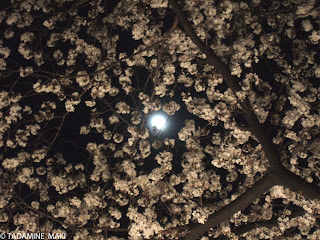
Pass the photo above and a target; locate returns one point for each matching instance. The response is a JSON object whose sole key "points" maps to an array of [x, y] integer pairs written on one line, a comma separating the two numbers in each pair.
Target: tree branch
{"points": [[241, 202], [277, 172], [233, 83], [66, 225], [297, 184]]}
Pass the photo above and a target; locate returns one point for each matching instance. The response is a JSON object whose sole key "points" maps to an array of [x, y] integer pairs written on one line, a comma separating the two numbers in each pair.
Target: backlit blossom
{"points": [[238, 80]]}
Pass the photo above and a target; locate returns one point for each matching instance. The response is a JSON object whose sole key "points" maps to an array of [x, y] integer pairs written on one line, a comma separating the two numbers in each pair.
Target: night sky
{"points": [[61, 132]]}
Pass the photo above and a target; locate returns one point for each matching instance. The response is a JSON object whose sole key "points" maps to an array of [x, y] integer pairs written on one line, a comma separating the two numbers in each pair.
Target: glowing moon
{"points": [[158, 121]]}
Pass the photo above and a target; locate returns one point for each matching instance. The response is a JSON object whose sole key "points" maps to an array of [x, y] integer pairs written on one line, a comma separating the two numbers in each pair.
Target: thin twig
{"points": [[66, 225]]}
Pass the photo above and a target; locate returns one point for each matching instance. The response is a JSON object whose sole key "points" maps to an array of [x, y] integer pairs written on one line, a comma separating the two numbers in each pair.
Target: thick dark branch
{"points": [[233, 83], [278, 175], [254, 192], [212, 58], [297, 184]]}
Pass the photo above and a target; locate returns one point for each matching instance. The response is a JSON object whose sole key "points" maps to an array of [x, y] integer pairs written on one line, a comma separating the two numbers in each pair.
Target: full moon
{"points": [[158, 121]]}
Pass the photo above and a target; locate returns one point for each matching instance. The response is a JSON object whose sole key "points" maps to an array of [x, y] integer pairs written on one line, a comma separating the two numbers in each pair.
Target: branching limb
{"points": [[233, 83], [254, 192], [273, 222], [295, 183], [278, 174], [23, 204]]}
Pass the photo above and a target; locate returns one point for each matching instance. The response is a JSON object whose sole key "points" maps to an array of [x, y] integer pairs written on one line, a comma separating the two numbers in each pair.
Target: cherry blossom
{"points": [[238, 156]]}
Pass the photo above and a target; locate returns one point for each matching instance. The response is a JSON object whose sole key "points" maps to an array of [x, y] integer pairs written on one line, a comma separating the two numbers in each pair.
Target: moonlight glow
{"points": [[158, 121]]}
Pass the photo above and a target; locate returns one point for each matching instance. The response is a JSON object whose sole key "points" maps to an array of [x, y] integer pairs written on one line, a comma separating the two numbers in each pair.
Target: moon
{"points": [[158, 121]]}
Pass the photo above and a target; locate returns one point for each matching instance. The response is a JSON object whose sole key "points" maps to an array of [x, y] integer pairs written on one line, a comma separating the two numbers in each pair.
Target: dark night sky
{"points": [[72, 145], [69, 142]]}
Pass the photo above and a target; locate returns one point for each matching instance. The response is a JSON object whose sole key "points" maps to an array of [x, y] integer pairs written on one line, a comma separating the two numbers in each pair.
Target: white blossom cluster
{"points": [[52, 86], [199, 107], [123, 108], [73, 55], [101, 169], [171, 108], [145, 148], [100, 89], [27, 220], [70, 105], [4, 53], [149, 105], [144, 225], [13, 163], [62, 185]]}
